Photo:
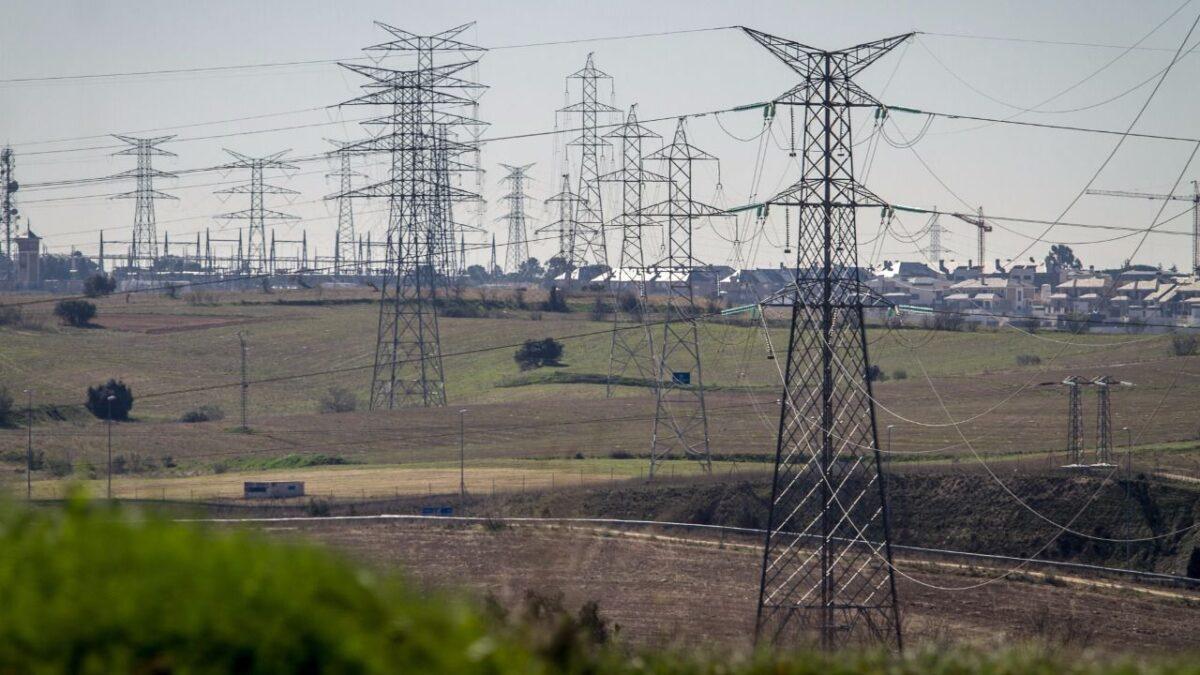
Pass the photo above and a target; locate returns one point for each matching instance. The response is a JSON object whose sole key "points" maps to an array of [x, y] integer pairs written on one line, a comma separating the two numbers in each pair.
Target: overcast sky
{"points": [[57, 126]]}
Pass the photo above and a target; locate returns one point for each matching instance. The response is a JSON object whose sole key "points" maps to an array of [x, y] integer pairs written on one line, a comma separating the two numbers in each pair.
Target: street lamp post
{"points": [[1128, 452], [462, 455], [889, 444], [29, 445], [110, 400]]}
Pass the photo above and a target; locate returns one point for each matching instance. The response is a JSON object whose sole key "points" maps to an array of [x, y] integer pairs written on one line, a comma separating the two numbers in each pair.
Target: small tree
{"points": [[538, 353], [99, 405], [338, 400], [76, 313], [557, 302], [1185, 345], [99, 284]]}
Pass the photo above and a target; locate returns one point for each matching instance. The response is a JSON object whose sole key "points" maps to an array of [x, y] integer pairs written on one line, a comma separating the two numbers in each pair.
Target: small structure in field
{"points": [[275, 489]]}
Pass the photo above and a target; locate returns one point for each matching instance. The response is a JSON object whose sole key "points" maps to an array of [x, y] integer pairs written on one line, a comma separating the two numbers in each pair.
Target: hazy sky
{"points": [[57, 126]]}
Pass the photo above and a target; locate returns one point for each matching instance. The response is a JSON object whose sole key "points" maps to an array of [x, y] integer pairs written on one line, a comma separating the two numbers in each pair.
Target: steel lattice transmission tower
{"points": [[826, 567], [680, 418], [630, 349], [419, 125], [143, 242], [517, 251], [586, 241], [345, 243], [1104, 449], [935, 239], [568, 203], [8, 206], [255, 260], [1074, 386]]}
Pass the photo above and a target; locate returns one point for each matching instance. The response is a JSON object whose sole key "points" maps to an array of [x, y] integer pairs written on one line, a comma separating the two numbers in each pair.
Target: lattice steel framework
{"points": [[1074, 386], [935, 239], [256, 260], [8, 190], [568, 203], [345, 242], [143, 242], [586, 241], [826, 566], [517, 251], [631, 350], [680, 417], [419, 136]]}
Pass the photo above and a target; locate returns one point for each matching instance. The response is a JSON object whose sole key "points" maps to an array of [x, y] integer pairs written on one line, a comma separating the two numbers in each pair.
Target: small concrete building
{"points": [[29, 261], [275, 489]]}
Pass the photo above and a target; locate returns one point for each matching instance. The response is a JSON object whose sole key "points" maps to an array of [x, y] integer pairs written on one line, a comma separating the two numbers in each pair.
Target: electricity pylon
{"points": [[1104, 439], [255, 260], [143, 244], [564, 226], [586, 241], [1074, 386], [680, 417], [419, 121], [345, 255], [518, 235], [631, 349], [8, 206], [826, 567]]}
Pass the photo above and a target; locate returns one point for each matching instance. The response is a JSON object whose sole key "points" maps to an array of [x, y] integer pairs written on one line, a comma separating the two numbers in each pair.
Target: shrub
{"points": [[76, 313], [338, 400], [205, 413], [631, 304], [900, 374], [60, 467], [1185, 345], [99, 405], [538, 353], [317, 508], [7, 413], [600, 309], [945, 321], [1077, 323], [557, 302], [1028, 360], [99, 284], [876, 374], [10, 316]]}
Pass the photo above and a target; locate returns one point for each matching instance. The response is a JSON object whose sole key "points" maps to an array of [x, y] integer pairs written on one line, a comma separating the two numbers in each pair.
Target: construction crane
{"points": [[1194, 198], [983, 228]]}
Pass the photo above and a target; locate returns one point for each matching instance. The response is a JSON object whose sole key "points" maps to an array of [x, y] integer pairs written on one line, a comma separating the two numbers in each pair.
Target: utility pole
{"points": [[245, 381], [110, 398], [631, 349], [255, 260], [680, 417], [828, 493], [586, 242], [143, 244], [29, 445], [1194, 198], [462, 456], [418, 117], [1074, 420], [518, 235]]}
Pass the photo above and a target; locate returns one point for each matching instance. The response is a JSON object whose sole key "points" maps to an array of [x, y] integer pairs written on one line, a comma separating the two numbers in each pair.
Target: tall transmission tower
{"points": [[1104, 449], [1074, 386], [8, 205], [345, 256], [255, 260], [419, 122], [628, 349], [935, 239], [568, 205], [143, 244], [586, 241], [826, 567], [680, 417], [517, 251]]}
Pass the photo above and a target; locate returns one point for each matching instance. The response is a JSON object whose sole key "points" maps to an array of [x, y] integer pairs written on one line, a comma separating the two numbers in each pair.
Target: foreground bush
{"points": [[90, 590], [77, 313]]}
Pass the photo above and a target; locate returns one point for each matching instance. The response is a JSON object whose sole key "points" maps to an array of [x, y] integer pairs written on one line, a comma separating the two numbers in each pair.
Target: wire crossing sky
{"points": [[260, 77]]}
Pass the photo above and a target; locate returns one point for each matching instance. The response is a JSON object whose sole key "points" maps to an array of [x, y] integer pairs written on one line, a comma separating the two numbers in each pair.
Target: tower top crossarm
{"points": [[147, 146], [407, 41], [272, 161], [632, 128], [817, 66]]}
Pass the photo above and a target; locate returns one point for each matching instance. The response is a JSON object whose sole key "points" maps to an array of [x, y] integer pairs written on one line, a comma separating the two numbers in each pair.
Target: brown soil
{"points": [[158, 324]]}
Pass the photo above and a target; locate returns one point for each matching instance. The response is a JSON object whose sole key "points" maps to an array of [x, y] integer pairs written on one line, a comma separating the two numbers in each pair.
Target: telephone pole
{"points": [[245, 382], [143, 244], [518, 236], [826, 565], [421, 120], [631, 349], [255, 261]]}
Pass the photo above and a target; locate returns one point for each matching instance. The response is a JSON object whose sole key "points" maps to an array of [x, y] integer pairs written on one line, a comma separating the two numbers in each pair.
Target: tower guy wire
{"points": [[680, 418], [255, 259], [517, 251], [143, 240], [827, 574], [630, 351], [421, 121]]}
